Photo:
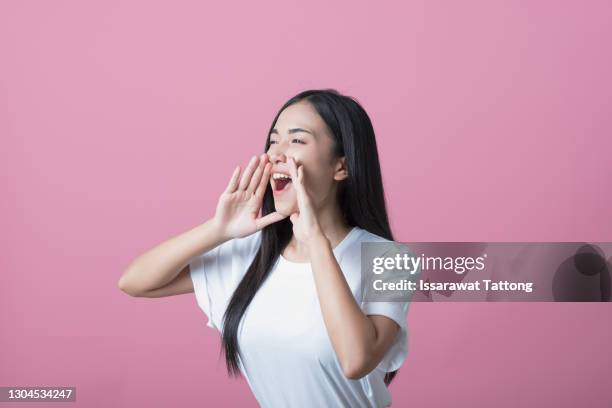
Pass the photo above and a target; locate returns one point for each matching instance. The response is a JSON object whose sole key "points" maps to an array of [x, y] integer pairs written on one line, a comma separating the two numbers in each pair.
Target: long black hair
{"points": [[361, 199]]}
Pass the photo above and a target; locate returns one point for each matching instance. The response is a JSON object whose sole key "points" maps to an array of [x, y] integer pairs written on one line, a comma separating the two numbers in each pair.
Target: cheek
{"points": [[317, 171], [318, 175]]}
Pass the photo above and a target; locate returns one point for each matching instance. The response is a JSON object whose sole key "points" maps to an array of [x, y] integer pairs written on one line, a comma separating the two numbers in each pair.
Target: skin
{"points": [[359, 341], [312, 152]]}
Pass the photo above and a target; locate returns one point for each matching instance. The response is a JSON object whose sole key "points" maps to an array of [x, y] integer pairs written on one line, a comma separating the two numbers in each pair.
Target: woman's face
{"points": [[300, 133]]}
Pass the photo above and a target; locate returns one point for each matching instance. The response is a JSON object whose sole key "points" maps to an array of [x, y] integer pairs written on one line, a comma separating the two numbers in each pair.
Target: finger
{"points": [[294, 217], [246, 176], [300, 176], [263, 183], [299, 184], [257, 174], [233, 183], [292, 169], [269, 219], [297, 181], [294, 173], [294, 179]]}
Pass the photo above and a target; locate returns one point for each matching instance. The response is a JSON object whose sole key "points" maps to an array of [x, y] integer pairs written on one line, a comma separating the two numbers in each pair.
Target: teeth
{"points": [[277, 176]]}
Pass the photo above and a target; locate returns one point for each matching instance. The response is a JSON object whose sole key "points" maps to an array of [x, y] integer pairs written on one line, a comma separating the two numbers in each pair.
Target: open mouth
{"points": [[280, 182]]}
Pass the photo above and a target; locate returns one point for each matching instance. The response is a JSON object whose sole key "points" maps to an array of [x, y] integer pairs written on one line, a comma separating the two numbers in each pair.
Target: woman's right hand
{"points": [[237, 213]]}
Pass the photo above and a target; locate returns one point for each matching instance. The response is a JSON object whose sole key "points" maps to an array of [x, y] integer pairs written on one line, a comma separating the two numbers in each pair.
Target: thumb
{"points": [[269, 219], [293, 218]]}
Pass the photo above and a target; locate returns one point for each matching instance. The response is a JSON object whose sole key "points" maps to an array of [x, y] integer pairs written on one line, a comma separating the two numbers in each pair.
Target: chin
{"points": [[286, 207]]}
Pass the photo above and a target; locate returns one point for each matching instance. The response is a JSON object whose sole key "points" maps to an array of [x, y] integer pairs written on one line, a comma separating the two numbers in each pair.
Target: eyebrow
{"points": [[293, 130]]}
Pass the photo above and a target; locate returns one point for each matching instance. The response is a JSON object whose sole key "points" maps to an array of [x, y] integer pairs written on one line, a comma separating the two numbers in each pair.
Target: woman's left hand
{"points": [[305, 223]]}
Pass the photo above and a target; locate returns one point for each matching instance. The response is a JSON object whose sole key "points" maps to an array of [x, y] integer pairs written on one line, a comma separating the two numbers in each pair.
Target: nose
{"points": [[277, 157], [277, 153], [280, 153]]}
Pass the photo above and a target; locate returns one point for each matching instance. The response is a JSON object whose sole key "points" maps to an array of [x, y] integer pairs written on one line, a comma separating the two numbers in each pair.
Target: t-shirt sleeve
{"points": [[215, 274], [396, 310]]}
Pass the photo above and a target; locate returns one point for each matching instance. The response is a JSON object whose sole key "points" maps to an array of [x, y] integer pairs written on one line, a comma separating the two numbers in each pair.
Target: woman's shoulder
{"points": [[367, 236], [363, 235], [359, 236]]}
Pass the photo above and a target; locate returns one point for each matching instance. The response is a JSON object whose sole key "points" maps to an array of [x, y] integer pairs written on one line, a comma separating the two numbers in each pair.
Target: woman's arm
{"points": [[360, 341], [161, 264], [236, 216]]}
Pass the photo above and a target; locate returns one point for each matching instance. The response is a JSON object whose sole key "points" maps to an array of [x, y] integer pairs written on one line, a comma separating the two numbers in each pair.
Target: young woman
{"points": [[284, 287]]}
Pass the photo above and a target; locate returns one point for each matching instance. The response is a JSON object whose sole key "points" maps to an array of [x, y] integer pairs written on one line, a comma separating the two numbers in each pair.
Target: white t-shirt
{"points": [[287, 355]]}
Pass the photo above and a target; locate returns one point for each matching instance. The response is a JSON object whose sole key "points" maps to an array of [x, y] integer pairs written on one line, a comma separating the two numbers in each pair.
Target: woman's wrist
{"points": [[218, 228], [318, 242]]}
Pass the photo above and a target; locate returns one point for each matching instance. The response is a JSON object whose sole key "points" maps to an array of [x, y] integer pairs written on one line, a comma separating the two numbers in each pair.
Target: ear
{"points": [[341, 171]]}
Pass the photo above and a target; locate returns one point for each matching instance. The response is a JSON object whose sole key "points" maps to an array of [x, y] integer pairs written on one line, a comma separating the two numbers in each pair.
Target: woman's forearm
{"points": [[351, 332], [162, 263]]}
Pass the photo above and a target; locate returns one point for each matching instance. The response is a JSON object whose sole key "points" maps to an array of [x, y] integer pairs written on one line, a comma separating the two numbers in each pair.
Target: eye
{"points": [[299, 141], [272, 141]]}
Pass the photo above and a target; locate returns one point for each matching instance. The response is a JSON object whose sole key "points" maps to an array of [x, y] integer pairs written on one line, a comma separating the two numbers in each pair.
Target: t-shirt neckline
{"points": [[336, 250]]}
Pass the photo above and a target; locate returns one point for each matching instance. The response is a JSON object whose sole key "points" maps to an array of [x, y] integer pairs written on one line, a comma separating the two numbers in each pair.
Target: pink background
{"points": [[122, 121]]}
